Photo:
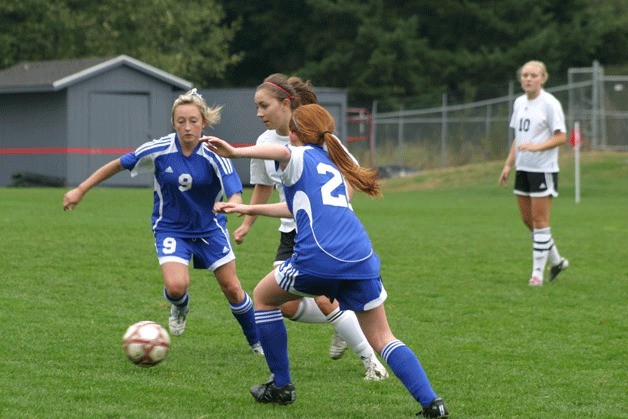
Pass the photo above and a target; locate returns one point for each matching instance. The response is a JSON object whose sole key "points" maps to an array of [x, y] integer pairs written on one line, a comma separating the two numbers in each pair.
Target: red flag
{"points": [[575, 139]]}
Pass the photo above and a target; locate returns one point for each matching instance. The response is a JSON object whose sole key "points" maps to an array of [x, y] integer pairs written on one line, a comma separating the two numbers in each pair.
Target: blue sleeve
{"points": [[129, 160], [232, 184], [230, 179]]}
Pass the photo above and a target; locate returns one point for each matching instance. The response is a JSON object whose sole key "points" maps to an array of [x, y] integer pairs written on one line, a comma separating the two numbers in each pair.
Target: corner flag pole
{"points": [[575, 139]]}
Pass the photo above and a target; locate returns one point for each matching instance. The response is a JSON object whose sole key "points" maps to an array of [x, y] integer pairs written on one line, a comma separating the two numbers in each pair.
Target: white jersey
{"points": [[265, 172], [536, 121]]}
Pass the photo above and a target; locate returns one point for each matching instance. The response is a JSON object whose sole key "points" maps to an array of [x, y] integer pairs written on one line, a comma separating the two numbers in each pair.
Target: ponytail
{"points": [[358, 177], [313, 124]]}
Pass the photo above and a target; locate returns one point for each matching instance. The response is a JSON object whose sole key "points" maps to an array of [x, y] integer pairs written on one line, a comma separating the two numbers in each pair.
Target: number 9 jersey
{"points": [[186, 187], [330, 241]]}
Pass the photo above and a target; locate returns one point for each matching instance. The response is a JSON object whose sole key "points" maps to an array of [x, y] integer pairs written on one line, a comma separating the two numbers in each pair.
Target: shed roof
{"points": [[51, 76]]}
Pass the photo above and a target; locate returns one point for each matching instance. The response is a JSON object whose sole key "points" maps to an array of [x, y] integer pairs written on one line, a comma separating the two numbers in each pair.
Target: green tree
{"points": [[394, 49], [188, 39]]}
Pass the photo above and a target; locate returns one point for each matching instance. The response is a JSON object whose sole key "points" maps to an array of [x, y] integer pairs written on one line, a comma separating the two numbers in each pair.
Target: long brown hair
{"points": [[282, 87], [313, 124]]}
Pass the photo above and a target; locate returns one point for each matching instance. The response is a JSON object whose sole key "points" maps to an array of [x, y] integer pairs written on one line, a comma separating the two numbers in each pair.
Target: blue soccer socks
{"points": [[408, 369], [274, 340], [244, 313]]}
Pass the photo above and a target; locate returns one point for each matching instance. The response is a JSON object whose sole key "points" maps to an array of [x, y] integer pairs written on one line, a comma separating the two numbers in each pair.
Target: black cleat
{"points": [[270, 393], [556, 269], [436, 409]]}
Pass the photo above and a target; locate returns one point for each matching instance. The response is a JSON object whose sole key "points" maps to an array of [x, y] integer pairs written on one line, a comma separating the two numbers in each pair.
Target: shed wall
{"points": [[33, 121], [102, 114]]}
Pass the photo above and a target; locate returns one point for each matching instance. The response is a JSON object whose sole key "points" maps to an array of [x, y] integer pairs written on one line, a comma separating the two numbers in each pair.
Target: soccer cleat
{"points": [[535, 282], [338, 347], [375, 371], [176, 321], [270, 393], [436, 409], [257, 349], [556, 269]]}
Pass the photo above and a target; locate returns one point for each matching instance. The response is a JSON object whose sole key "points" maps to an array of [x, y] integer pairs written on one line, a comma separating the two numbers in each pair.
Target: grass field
{"points": [[455, 261]]}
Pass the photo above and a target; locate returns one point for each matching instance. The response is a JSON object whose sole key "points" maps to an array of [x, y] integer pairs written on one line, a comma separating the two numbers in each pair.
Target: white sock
{"points": [[541, 244], [345, 323], [308, 312], [554, 257]]}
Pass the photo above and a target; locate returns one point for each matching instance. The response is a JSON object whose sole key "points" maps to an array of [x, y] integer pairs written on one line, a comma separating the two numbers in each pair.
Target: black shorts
{"points": [[536, 185], [286, 247]]}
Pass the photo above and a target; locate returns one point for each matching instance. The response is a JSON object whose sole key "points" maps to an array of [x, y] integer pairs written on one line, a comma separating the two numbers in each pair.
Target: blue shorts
{"points": [[209, 252], [355, 295]]}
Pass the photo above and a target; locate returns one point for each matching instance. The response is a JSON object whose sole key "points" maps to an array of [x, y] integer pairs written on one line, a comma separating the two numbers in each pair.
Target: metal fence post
{"points": [[601, 105], [595, 103], [443, 133], [400, 134], [511, 99], [372, 135]]}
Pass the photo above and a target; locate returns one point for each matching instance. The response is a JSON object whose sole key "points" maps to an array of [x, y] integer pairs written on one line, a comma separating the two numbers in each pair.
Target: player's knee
{"points": [[379, 341], [325, 305], [233, 291], [289, 309], [176, 290]]}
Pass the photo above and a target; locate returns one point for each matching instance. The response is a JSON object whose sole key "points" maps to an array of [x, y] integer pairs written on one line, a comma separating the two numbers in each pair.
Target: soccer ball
{"points": [[146, 343]]}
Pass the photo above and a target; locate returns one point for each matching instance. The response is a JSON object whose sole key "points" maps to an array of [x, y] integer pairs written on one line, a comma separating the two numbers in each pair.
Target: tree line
{"points": [[395, 51]]}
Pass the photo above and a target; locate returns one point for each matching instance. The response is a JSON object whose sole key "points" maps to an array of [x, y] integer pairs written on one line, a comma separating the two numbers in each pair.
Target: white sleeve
{"points": [[515, 109], [556, 117], [292, 173], [259, 174]]}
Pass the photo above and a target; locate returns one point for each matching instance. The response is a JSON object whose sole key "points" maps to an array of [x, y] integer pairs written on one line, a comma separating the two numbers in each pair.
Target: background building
{"points": [[61, 120], [64, 119]]}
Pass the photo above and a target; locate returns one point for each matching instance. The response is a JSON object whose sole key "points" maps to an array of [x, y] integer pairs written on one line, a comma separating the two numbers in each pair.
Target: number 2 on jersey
{"points": [[328, 188]]}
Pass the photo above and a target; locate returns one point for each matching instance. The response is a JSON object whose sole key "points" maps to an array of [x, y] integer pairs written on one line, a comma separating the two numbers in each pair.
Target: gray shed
{"points": [[63, 119]]}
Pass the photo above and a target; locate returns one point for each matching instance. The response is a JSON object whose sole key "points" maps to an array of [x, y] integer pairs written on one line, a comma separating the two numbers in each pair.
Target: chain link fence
{"points": [[453, 135]]}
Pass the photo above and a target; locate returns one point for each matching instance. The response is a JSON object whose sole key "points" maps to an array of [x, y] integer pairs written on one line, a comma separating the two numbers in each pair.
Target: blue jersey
{"points": [[330, 241], [186, 188]]}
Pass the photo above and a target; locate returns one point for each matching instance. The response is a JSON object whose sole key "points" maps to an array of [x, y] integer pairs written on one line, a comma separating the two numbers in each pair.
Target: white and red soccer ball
{"points": [[146, 343]]}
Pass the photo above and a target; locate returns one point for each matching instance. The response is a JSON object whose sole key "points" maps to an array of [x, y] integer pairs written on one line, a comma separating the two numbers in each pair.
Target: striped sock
{"points": [[274, 340], [542, 242], [179, 302], [408, 369], [243, 312]]}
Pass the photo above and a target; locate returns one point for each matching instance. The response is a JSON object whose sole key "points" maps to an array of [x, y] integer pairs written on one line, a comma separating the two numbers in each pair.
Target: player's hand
{"points": [[219, 207], [240, 233], [503, 177], [230, 208], [527, 147], [72, 198], [218, 146]]}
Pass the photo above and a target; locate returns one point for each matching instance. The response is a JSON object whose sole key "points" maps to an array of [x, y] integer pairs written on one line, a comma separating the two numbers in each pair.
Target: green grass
{"points": [[455, 262]]}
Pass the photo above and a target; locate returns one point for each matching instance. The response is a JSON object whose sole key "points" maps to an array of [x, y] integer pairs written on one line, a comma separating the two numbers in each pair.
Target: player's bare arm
{"points": [[559, 138], [72, 198], [261, 195], [266, 151], [510, 160], [277, 210]]}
